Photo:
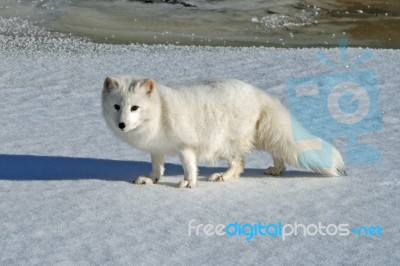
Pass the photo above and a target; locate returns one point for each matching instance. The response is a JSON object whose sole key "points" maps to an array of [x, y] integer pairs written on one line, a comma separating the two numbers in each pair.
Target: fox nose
{"points": [[121, 125]]}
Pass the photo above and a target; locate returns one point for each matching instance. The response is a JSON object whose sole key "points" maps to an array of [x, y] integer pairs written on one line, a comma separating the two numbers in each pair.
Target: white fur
{"points": [[208, 122]]}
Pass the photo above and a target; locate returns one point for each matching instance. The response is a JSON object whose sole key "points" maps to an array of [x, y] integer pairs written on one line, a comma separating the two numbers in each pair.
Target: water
{"points": [[287, 23]]}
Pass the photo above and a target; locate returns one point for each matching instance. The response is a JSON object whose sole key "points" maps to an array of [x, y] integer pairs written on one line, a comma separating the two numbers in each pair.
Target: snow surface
{"points": [[65, 191]]}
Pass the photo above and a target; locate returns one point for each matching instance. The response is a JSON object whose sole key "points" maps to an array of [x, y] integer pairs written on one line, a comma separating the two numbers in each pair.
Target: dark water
{"points": [[287, 23]]}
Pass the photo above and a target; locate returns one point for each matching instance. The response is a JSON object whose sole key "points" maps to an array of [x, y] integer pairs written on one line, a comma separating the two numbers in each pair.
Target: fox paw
{"points": [[142, 180], [273, 171], [216, 177], [186, 184]]}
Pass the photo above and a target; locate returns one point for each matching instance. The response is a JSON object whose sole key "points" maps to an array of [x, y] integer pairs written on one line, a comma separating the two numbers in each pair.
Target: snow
{"points": [[65, 191]]}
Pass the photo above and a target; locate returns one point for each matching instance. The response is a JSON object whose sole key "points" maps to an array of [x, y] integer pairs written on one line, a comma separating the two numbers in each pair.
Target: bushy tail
{"points": [[321, 157], [282, 136]]}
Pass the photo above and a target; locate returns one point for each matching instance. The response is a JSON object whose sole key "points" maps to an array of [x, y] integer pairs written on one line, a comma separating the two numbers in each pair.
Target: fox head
{"points": [[128, 103]]}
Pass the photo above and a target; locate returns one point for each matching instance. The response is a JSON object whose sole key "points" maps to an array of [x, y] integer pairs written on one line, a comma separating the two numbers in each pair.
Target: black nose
{"points": [[121, 125]]}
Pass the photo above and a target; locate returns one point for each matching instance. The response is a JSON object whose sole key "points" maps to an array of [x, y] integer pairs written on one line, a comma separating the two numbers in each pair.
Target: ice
{"points": [[278, 21], [65, 191]]}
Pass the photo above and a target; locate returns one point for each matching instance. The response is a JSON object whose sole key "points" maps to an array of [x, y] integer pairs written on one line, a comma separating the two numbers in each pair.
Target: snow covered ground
{"points": [[65, 191]]}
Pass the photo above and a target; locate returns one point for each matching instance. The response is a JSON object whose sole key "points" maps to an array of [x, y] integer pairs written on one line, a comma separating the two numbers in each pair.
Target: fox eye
{"points": [[116, 106], [134, 108]]}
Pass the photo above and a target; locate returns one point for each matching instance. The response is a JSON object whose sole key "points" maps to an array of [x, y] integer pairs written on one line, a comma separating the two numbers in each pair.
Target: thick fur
{"points": [[208, 122]]}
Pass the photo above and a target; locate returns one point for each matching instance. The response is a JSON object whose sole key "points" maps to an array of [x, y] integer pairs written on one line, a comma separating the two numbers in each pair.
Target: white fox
{"points": [[215, 120]]}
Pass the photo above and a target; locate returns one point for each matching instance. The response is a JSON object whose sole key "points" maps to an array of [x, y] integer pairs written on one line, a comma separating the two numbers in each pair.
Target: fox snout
{"points": [[121, 125]]}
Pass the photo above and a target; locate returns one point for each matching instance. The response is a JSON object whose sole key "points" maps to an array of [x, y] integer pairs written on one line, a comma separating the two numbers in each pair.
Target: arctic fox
{"points": [[215, 120]]}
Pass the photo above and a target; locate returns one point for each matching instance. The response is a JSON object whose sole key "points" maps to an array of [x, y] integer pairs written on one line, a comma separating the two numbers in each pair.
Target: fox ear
{"points": [[110, 83], [148, 85]]}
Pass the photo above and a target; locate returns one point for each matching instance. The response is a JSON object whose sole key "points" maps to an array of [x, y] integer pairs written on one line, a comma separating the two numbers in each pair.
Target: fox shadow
{"points": [[32, 167]]}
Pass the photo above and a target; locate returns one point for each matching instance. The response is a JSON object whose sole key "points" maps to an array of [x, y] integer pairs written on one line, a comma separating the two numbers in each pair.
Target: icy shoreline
{"points": [[284, 23]]}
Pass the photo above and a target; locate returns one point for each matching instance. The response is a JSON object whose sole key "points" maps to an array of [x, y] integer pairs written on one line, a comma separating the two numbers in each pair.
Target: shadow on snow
{"points": [[30, 167]]}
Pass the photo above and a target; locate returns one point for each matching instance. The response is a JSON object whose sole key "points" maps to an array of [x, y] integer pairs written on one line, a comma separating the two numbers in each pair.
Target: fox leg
{"points": [[189, 164], [157, 162], [236, 166], [277, 169]]}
